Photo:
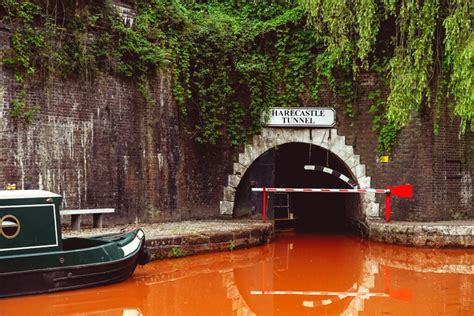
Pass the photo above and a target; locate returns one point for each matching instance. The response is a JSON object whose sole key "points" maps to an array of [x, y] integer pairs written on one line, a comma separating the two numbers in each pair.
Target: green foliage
{"points": [[459, 215], [413, 51], [459, 60], [231, 61], [176, 252], [411, 65], [21, 110], [244, 59], [89, 39], [25, 42]]}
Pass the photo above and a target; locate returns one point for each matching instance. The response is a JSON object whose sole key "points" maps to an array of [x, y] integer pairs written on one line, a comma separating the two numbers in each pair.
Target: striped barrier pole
{"points": [[401, 294], [311, 190], [403, 191]]}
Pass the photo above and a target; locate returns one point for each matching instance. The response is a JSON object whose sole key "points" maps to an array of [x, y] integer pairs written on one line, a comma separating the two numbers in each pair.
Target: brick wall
{"points": [[95, 142], [98, 144], [203, 174], [439, 167], [453, 155]]}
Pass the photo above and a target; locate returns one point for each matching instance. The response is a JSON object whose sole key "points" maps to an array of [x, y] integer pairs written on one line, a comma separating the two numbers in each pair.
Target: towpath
{"points": [[177, 239]]}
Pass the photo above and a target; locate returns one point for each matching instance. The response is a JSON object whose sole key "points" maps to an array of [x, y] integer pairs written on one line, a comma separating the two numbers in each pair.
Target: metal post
{"points": [[264, 205], [387, 207]]}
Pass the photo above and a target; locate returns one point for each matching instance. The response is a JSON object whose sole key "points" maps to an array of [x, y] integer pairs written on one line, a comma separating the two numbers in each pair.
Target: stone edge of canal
{"points": [[163, 247], [449, 234], [430, 235], [215, 238]]}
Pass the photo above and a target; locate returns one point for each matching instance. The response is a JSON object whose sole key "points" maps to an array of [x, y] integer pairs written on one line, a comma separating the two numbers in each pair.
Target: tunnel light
{"points": [[309, 167]]}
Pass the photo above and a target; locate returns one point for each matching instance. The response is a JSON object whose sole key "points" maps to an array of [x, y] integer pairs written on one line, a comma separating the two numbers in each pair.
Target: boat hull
{"points": [[45, 280]]}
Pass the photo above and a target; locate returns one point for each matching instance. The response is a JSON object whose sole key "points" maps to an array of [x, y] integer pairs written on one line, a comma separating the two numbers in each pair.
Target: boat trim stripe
{"points": [[133, 245]]}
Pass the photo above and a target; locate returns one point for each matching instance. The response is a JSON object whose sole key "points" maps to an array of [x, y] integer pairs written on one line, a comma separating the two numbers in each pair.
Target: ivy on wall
{"points": [[232, 60], [430, 46]]}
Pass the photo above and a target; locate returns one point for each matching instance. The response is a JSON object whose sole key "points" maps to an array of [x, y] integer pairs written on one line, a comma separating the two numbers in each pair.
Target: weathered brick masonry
{"points": [[420, 158], [98, 143], [94, 141]]}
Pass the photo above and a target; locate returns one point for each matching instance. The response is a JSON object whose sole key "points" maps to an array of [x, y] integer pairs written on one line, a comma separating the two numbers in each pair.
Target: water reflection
{"points": [[297, 274]]}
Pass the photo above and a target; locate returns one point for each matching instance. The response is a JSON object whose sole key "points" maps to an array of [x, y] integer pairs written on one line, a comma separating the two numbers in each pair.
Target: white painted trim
{"points": [[55, 226], [344, 178], [29, 247], [25, 194], [327, 170], [133, 245]]}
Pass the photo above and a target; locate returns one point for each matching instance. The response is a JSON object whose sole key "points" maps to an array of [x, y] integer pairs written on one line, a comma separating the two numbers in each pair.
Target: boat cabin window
{"points": [[10, 227]]}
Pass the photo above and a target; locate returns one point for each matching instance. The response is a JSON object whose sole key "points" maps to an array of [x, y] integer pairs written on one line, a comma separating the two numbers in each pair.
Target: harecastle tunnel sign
{"points": [[300, 117]]}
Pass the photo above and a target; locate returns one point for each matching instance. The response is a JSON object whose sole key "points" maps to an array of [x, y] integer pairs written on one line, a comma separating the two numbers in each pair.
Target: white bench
{"points": [[76, 216]]}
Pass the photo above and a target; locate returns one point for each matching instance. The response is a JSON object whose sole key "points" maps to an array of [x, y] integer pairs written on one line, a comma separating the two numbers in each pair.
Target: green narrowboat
{"points": [[35, 259]]}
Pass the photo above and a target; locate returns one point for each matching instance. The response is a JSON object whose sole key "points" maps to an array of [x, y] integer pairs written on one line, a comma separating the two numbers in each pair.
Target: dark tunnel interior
{"points": [[283, 167], [321, 212]]}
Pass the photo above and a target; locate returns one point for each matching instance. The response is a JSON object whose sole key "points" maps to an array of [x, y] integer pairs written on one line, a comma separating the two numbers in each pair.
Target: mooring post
{"points": [[264, 205]]}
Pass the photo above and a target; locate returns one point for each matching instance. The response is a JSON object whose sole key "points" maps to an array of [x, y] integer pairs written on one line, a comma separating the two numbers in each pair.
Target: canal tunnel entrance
{"points": [[321, 212], [284, 167]]}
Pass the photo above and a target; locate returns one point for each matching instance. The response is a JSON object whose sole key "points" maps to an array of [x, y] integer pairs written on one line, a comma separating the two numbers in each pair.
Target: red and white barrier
{"points": [[309, 190], [403, 191]]}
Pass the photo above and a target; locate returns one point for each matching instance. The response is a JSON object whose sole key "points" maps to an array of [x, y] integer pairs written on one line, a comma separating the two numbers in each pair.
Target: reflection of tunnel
{"points": [[283, 166], [304, 263]]}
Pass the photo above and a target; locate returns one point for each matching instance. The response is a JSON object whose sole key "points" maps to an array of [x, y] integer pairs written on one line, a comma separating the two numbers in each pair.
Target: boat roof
{"points": [[22, 194]]}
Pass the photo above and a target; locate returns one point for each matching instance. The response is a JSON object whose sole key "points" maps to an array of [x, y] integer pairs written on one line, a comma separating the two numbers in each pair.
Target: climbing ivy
{"points": [[414, 58], [459, 59], [231, 60]]}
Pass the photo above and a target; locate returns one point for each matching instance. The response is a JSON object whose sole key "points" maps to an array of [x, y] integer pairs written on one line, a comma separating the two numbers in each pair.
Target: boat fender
{"points": [[143, 256]]}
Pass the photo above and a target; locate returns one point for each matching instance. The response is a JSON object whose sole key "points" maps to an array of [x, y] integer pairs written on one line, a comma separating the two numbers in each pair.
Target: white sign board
{"points": [[300, 117]]}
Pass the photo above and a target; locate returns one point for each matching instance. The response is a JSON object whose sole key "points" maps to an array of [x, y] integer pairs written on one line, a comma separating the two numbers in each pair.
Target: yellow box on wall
{"points": [[10, 186]]}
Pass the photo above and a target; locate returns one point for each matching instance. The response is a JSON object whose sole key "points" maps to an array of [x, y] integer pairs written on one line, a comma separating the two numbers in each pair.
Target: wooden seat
{"points": [[96, 212]]}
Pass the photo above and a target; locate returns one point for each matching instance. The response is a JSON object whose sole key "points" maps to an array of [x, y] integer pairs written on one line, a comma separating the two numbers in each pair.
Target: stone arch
{"points": [[328, 139]]}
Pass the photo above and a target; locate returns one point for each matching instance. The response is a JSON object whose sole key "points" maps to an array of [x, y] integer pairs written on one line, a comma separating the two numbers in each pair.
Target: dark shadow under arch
{"points": [[283, 166]]}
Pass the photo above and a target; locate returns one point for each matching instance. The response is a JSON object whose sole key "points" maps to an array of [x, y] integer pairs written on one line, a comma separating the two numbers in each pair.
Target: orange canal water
{"points": [[295, 275]]}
